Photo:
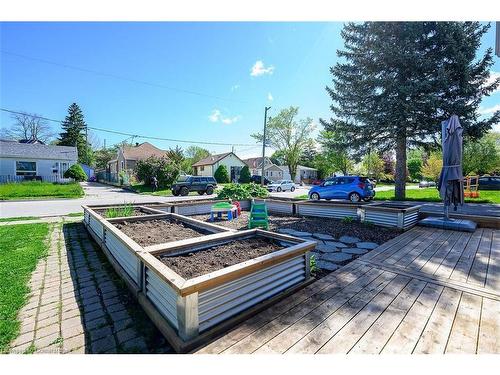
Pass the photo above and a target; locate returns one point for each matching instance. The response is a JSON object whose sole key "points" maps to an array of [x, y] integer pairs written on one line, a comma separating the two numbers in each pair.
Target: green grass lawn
{"points": [[21, 247], [37, 189], [18, 218], [432, 195]]}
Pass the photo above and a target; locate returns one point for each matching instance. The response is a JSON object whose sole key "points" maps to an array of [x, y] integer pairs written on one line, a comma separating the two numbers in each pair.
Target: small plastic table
{"points": [[230, 211]]}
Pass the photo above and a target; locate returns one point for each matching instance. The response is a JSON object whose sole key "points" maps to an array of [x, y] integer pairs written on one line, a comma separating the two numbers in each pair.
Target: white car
{"points": [[281, 185]]}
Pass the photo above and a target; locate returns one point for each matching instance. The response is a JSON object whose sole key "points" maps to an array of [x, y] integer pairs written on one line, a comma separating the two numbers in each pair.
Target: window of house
{"points": [[202, 168], [122, 165], [25, 168]]}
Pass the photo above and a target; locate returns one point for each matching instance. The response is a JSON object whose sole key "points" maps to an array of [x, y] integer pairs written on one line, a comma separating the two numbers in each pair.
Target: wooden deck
{"points": [[426, 291]]}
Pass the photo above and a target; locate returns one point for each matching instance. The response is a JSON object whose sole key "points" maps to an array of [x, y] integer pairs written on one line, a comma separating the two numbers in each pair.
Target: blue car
{"points": [[353, 188]]}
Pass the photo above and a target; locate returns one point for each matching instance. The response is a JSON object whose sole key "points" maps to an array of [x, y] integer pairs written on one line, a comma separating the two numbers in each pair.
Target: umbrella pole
{"points": [[446, 208]]}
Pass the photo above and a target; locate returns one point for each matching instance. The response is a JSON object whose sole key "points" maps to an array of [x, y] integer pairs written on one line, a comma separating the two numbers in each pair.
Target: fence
{"points": [[113, 178], [5, 179]]}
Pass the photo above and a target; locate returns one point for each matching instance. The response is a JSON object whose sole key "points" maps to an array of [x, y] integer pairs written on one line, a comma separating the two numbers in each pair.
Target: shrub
{"points": [[240, 192], [165, 171], [76, 172], [245, 176], [221, 174]]}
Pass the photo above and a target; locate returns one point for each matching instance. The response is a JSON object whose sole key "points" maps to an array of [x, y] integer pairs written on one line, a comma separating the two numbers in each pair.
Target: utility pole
{"points": [[264, 146]]}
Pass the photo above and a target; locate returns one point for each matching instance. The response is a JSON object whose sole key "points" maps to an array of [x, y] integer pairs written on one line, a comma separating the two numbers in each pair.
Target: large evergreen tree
{"points": [[396, 82], [73, 134]]}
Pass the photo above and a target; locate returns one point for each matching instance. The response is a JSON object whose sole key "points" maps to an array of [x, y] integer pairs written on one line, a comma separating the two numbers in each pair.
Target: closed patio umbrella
{"points": [[450, 185]]}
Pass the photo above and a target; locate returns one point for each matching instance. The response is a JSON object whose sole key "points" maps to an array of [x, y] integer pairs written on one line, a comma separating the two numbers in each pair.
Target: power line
{"points": [[111, 75], [130, 134]]}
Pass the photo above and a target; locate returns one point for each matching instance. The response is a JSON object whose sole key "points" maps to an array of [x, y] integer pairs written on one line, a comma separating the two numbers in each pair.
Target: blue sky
{"points": [[241, 67]]}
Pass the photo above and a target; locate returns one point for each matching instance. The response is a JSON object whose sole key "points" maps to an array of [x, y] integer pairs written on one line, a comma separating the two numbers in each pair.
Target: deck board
{"points": [[425, 291]]}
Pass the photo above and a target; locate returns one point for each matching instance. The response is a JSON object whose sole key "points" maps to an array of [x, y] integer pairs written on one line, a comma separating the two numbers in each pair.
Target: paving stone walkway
{"points": [[79, 305]]}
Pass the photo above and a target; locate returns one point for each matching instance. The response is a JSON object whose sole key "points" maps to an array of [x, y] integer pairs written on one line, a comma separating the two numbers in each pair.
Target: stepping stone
{"points": [[336, 244], [367, 245], [302, 234], [349, 239], [338, 258], [324, 265], [325, 237], [326, 248], [289, 231], [354, 250]]}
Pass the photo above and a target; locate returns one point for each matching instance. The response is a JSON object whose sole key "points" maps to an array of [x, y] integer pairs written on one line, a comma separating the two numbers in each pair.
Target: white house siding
{"points": [[204, 170], [229, 161], [44, 168], [273, 173]]}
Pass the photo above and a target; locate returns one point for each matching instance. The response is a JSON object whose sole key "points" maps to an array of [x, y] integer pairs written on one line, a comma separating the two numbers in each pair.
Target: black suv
{"points": [[185, 184], [256, 179]]}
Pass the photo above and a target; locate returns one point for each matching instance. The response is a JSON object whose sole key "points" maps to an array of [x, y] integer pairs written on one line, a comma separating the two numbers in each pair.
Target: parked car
{"points": [[353, 188], [489, 183], [281, 185], [256, 179], [186, 184], [426, 184], [318, 181]]}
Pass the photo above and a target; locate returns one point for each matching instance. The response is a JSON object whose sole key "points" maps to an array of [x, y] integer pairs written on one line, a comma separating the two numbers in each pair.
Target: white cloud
{"points": [[216, 116], [235, 87], [270, 97], [230, 120], [488, 110], [493, 77], [259, 69]]}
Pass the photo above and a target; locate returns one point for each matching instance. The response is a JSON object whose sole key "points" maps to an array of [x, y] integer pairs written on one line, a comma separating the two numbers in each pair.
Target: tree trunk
{"points": [[400, 172], [292, 171]]}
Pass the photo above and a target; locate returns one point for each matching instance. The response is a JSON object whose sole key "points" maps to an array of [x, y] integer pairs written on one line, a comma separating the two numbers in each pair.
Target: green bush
{"points": [[242, 191], [221, 175], [165, 171], [76, 172], [245, 176]]}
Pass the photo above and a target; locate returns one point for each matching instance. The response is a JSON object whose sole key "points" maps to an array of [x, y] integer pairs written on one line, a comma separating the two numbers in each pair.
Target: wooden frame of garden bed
{"points": [[172, 302], [391, 214]]}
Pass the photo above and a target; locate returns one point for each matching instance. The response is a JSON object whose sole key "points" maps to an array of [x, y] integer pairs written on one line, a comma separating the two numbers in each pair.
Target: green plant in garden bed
{"points": [[22, 246], [124, 211], [432, 195], [242, 191], [38, 189]]}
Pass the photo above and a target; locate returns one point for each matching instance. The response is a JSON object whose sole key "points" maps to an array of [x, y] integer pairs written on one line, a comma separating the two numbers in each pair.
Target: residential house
{"points": [[208, 165], [127, 157], [35, 160], [303, 174], [271, 170]]}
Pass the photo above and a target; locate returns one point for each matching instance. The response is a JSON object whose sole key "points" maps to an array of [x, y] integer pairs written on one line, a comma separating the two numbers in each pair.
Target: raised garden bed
{"points": [[219, 278], [335, 228], [336, 210], [402, 215], [207, 278], [279, 206]]}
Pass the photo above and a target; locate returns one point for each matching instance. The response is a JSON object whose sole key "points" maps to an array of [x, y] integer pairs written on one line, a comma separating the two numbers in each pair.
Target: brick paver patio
{"points": [[78, 304]]}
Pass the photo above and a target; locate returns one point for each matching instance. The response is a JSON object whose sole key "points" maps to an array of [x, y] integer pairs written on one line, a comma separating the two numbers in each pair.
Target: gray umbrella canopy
{"points": [[451, 188]]}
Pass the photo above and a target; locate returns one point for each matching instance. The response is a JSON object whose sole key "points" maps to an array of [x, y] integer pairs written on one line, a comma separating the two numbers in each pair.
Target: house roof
{"points": [[142, 151], [211, 160], [254, 162], [285, 168], [37, 151]]}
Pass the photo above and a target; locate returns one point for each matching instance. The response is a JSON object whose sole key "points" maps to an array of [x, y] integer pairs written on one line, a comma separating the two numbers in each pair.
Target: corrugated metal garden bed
{"points": [[190, 310], [402, 215]]}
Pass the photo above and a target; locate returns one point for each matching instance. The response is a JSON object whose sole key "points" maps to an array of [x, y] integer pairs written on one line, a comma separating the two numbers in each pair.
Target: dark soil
{"points": [[152, 232], [333, 227], [220, 256], [136, 212]]}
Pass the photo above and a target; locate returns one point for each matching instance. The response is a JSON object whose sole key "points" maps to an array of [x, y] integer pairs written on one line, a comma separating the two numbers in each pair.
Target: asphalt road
{"points": [[95, 193]]}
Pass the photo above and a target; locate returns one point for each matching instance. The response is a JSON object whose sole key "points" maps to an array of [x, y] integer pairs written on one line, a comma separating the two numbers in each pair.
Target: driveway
{"points": [[95, 193]]}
